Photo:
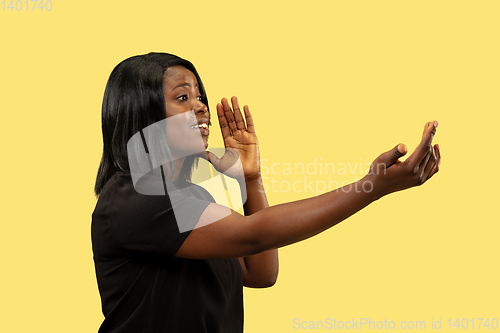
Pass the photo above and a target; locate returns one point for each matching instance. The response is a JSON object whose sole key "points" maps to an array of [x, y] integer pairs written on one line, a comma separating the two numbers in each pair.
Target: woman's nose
{"points": [[200, 108]]}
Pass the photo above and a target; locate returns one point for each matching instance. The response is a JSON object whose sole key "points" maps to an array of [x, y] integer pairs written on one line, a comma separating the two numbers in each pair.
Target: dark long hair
{"points": [[133, 99]]}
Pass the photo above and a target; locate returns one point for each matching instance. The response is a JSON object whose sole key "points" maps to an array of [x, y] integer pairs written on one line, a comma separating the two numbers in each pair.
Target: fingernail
{"points": [[435, 124]]}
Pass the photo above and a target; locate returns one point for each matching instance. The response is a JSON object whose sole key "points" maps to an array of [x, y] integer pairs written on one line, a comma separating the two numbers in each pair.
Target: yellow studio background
{"points": [[334, 82]]}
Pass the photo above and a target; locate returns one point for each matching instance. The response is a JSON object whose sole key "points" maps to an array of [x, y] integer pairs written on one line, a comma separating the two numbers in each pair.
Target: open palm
{"points": [[240, 141]]}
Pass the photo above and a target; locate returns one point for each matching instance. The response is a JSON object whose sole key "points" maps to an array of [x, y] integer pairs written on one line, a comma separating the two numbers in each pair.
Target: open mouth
{"points": [[202, 127]]}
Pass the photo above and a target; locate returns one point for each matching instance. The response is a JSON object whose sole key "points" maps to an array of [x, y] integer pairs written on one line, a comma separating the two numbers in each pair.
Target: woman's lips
{"points": [[203, 129]]}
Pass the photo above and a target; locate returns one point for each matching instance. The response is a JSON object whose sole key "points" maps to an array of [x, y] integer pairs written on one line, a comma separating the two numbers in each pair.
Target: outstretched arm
{"points": [[237, 236]]}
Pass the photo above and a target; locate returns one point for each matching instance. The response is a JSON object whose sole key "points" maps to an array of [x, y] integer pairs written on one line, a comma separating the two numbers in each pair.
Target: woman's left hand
{"points": [[238, 138]]}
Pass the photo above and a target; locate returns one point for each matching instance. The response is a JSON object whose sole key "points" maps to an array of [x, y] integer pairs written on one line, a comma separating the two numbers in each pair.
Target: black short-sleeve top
{"points": [[143, 286]]}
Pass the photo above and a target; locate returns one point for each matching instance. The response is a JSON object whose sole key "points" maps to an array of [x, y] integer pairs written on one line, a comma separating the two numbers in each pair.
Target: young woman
{"points": [[152, 276]]}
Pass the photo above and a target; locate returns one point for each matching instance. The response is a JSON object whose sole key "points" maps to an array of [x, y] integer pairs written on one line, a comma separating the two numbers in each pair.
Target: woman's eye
{"points": [[182, 98], [199, 98]]}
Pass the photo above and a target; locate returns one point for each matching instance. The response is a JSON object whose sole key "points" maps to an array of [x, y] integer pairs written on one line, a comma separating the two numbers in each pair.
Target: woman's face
{"points": [[187, 131]]}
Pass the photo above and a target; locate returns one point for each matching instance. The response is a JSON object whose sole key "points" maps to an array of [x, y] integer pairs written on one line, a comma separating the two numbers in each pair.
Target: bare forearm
{"points": [[262, 268], [256, 197], [292, 222]]}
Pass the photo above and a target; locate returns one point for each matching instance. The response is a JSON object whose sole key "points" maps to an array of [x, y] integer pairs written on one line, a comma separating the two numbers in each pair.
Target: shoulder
{"points": [[141, 217], [198, 192], [125, 200]]}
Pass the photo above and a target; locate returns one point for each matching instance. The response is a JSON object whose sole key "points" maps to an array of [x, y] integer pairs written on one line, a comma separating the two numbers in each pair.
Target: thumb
{"points": [[390, 157], [210, 157]]}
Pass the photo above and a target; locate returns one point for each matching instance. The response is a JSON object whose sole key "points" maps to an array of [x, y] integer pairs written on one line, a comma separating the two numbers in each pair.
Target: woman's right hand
{"points": [[388, 174]]}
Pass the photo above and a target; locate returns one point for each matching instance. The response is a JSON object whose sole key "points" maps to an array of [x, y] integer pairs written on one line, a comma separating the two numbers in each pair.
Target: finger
{"points": [[210, 157], [426, 168], [229, 115], [388, 158], [425, 145], [249, 120], [240, 123], [421, 167], [224, 127], [435, 168], [203, 155]]}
